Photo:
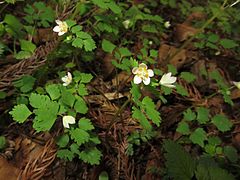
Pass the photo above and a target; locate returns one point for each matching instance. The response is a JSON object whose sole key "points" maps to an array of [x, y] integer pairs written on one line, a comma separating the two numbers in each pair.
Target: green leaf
{"points": [[103, 176], [100, 3], [76, 28], [68, 98], [222, 122], [20, 113], [202, 115], [151, 111], [70, 23], [13, 22], [189, 115], [180, 165], [172, 69], [107, 46], [86, 78], [183, 128], [187, 76], [53, 91], [78, 42], [25, 84], [85, 124], [137, 114], [46, 116], [114, 7], [135, 91], [79, 136], [228, 43], [89, 44], [38, 101], [82, 90], [23, 55], [62, 141], [75, 148], [27, 46], [213, 38], [208, 170], [65, 154], [3, 95], [124, 52], [198, 137], [2, 142], [231, 153], [215, 141], [80, 106], [181, 90], [91, 156]]}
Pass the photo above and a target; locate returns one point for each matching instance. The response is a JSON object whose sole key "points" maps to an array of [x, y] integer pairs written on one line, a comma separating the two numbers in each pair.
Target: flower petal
{"points": [[142, 65], [237, 84], [58, 22], [135, 70], [61, 33], [150, 73], [69, 75], [169, 85], [146, 81], [56, 29], [137, 80], [68, 120], [64, 79]]}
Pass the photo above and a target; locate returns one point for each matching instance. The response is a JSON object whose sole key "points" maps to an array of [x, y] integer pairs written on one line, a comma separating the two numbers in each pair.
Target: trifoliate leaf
{"points": [[65, 154], [231, 153], [63, 140], [137, 114], [183, 128], [189, 115], [222, 122], [151, 111], [79, 136], [107, 46], [180, 165], [82, 90], [187, 76], [20, 113], [198, 137], [91, 156], [80, 106], [202, 115], [38, 101], [85, 124], [53, 91]]}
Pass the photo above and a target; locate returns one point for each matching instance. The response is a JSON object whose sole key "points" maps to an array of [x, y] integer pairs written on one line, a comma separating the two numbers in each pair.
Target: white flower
{"points": [[67, 79], [126, 23], [142, 74], [167, 24], [150, 42], [168, 80], [68, 120], [237, 84], [62, 27]]}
